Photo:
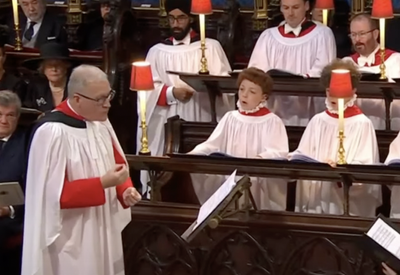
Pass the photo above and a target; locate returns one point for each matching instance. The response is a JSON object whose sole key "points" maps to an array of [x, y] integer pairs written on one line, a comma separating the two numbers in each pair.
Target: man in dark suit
{"points": [[12, 165], [38, 26]]}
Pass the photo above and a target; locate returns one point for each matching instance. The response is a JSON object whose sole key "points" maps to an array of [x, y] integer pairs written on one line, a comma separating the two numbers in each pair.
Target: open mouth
{"points": [[243, 102], [333, 103]]}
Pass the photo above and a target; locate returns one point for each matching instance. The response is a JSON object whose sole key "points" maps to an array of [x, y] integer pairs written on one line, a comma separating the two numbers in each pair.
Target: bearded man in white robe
{"points": [[320, 142], [171, 96], [364, 33], [78, 190], [250, 132], [300, 47]]}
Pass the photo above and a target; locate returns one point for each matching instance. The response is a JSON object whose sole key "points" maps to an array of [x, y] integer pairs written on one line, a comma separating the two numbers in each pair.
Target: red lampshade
{"points": [[340, 86], [325, 5], [201, 7], [141, 77], [382, 9]]}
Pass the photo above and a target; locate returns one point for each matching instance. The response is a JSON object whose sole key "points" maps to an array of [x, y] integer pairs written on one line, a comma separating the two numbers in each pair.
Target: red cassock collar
{"points": [[262, 112], [64, 107], [349, 112], [378, 59]]}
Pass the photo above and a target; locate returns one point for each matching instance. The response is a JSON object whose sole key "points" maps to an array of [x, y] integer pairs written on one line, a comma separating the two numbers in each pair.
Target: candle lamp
{"points": [[18, 42], [202, 8], [142, 82], [341, 87], [382, 10], [325, 6]]}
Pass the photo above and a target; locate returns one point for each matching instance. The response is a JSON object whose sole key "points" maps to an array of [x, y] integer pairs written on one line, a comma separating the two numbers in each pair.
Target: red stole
{"points": [[262, 112]]}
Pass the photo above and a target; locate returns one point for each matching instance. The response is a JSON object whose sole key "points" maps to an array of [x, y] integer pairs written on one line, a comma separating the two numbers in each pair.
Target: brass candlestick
{"points": [[341, 151], [144, 150], [18, 41], [382, 67], [203, 60]]}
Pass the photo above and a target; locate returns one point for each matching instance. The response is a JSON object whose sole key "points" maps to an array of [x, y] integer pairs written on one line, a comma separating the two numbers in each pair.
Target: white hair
{"points": [[9, 98], [83, 75]]}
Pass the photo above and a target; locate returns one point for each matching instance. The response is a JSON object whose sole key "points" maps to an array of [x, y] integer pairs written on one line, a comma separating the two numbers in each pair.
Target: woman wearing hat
{"points": [[49, 89]]}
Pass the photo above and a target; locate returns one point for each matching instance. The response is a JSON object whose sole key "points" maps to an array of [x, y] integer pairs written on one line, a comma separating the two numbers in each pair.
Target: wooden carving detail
{"points": [[229, 28], [269, 251], [238, 253], [159, 250]]}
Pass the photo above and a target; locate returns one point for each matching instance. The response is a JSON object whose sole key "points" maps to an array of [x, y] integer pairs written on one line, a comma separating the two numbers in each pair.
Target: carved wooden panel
{"points": [[269, 244]]}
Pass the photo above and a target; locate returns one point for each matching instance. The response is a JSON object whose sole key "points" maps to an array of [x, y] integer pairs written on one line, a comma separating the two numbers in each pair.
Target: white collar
{"points": [[5, 139], [368, 60], [72, 109], [263, 104], [37, 22], [185, 41], [333, 110], [296, 30]]}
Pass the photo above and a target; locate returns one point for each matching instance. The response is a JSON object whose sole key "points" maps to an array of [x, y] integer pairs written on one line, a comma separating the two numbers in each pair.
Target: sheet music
{"points": [[386, 236], [215, 199]]}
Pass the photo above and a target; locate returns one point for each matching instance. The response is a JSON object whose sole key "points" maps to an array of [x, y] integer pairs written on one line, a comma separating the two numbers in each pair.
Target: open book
{"points": [[382, 242], [302, 158]]}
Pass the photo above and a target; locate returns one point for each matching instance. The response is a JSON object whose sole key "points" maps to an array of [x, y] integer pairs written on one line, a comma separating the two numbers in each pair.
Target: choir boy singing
{"points": [[181, 52], [320, 141], [299, 46], [250, 132], [364, 33]]}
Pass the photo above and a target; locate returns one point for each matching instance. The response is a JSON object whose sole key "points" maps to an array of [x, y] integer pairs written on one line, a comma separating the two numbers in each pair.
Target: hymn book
{"points": [[11, 194], [212, 206], [382, 242]]}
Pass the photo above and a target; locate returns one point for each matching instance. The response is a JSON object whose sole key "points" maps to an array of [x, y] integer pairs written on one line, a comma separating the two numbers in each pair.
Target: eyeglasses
{"points": [[354, 35], [100, 100], [180, 19], [9, 117]]}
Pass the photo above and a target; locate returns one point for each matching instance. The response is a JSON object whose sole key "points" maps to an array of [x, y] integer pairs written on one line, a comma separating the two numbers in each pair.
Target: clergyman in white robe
{"points": [[394, 153], [320, 141], [304, 50], [72, 224], [375, 108], [259, 134], [184, 57]]}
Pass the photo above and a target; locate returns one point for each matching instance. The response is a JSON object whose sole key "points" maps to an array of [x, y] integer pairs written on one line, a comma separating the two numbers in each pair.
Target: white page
{"points": [[386, 236], [216, 199], [11, 194]]}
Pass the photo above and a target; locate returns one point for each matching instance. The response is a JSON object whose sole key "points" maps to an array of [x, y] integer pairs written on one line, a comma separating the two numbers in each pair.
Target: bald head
{"points": [[364, 34], [82, 76]]}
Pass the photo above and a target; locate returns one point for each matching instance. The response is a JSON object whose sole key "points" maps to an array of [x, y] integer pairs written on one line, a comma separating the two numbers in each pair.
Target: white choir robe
{"points": [[306, 54], [67, 241], [182, 58], [394, 153], [246, 136], [374, 109], [320, 141]]}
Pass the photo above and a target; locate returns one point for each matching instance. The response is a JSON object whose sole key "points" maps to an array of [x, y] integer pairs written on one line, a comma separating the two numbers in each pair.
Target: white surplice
{"points": [[182, 58], [304, 55], [71, 241], [374, 109], [394, 153], [246, 136], [320, 141]]}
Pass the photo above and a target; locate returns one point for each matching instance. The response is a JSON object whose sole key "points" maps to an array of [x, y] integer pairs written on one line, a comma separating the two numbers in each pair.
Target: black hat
{"points": [[184, 5], [50, 50], [4, 35]]}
